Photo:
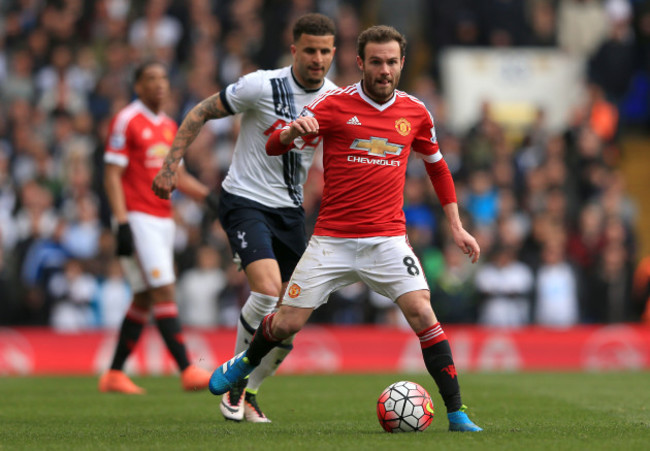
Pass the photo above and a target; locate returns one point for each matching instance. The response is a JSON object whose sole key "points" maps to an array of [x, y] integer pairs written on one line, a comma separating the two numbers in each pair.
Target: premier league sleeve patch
{"points": [[116, 141]]}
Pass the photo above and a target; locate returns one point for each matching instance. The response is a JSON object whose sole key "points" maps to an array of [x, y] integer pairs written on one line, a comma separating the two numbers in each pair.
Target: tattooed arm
{"points": [[167, 178]]}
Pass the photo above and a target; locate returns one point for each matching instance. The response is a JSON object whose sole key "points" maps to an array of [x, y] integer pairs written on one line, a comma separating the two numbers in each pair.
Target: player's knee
{"points": [[267, 287], [285, 327], [142, 300], [418, 311], [165, 293]]}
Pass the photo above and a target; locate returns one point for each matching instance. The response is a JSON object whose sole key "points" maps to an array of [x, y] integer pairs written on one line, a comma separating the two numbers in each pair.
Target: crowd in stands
{"points": [[551, 211]]}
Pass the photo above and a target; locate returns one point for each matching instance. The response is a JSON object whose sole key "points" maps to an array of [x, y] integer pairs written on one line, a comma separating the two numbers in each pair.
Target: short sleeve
{"points": [[426, 141], [245, 93], [116, 151]]}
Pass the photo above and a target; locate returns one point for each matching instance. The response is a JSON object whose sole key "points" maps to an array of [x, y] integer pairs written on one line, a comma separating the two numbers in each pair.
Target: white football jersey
{"points": [[269, 99]]}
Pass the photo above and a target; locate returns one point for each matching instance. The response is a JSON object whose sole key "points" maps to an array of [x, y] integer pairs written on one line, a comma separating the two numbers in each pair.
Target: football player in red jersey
{"points": [[368, 131], [139, 138]]}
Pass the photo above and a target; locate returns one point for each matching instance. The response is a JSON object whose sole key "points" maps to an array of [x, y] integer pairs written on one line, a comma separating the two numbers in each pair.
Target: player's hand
{"points": [[124, 238], [467, 243], [164, 183], [305, 125]]}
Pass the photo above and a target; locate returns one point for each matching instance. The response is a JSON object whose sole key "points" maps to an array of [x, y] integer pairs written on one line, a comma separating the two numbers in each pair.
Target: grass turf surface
{"points": [[539, 411]]}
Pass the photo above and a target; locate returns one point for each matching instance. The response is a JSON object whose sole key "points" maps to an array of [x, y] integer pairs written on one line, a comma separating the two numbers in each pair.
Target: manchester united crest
{"points": [[168, 135], [294, 291], [403, 126]]}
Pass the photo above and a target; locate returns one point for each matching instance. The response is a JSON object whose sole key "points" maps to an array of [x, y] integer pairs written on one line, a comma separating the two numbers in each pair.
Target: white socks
{"points": [[269, 364], [256, 308]]}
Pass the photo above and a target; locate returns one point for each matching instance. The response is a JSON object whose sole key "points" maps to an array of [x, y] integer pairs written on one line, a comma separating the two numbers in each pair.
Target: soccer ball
{"points": [[404, 407]]}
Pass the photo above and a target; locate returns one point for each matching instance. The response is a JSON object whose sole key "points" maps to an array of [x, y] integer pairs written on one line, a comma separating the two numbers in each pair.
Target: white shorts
{"points": [[152, 265], [387, 265]]}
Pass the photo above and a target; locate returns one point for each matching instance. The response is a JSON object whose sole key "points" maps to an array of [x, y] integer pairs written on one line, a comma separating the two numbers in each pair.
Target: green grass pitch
{"points": [[525, 411]]}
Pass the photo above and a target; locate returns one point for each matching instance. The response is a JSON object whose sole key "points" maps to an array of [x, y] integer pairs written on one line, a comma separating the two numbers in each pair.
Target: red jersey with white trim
{"points": [[366, 146], [139, 140]]}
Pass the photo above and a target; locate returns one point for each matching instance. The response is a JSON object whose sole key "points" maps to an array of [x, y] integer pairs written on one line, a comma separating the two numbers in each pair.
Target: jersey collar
{"points": [[297, 83], [153, 117], [379, 106]]}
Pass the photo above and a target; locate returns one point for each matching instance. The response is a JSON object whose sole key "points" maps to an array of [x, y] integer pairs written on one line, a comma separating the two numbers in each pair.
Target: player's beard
{"points": [[377, 92], [311, 81]]}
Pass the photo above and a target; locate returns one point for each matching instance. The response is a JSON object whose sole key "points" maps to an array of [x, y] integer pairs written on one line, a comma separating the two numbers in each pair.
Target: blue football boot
{"points": [[226, 376], [460, 422]]}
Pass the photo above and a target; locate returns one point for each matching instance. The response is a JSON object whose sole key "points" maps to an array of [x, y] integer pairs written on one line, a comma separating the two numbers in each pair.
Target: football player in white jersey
{"points": [[260, 200]]}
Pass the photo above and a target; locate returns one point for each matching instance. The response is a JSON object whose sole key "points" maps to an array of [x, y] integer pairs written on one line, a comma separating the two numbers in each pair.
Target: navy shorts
{"points": [[256, 231]]}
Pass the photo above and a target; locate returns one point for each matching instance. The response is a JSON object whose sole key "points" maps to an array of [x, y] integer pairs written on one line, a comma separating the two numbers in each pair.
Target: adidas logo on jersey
{"points": [[354, 121]]}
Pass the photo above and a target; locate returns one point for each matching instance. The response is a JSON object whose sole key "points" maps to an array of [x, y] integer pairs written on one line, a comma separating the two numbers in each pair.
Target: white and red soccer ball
{"points": [[404, 407]]}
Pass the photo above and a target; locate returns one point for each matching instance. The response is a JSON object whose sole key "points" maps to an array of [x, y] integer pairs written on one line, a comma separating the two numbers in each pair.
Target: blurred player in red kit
{"points": [[139, 137]]}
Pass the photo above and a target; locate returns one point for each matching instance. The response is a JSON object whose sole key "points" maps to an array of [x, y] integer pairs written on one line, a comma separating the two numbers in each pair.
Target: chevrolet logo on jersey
{"points": [[377, 147]]}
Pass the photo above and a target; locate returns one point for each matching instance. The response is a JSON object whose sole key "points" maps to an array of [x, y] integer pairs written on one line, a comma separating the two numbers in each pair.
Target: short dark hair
{"points": [[314, 24], [140, 68], [380, 34]]}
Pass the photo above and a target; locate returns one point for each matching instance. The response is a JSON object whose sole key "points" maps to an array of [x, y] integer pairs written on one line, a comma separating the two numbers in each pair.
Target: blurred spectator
{"points": [[19, 83], [233, 296], [81, 237], [155, 31], [556, 287], [7, 301], [543, 24], [608, 288], [582, 26], [453, 295], [348, 304], [504, 286], [603, 115], [72, 292], [641, 289], [614, 61], [384, 311], [586, 241], [112, 298], [420, 218], [199, 289], [482, 201], [63, 86], [503, 22]]}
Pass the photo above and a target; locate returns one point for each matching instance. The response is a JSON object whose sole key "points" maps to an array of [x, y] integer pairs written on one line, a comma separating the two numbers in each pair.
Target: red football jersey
{"points": [[139, 140], [366, 146]]}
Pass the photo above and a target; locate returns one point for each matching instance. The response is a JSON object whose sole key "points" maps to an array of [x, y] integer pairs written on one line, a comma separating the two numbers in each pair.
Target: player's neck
{"points": [[303, 85], [154, 107], [375, 99]]}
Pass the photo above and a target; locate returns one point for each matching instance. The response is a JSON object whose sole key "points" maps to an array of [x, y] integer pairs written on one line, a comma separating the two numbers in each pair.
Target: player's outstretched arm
{"points": [[466, 242], [281, 140], [167, 178]]}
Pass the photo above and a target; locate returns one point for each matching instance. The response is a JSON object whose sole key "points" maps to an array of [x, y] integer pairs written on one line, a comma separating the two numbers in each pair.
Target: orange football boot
{"points": [[117, 381], [195, 378]]}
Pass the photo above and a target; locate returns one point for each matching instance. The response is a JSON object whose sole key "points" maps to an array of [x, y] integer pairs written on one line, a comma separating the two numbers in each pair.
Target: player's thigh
{"points": [[152, 265], [289, 239], [326, 265], [389, 266], [249, 235]]}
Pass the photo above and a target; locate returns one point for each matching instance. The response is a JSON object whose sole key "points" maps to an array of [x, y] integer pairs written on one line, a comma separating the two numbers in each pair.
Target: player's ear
{"points": [[359, 63], [293, 50], [137, 89], [401, 66]]}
